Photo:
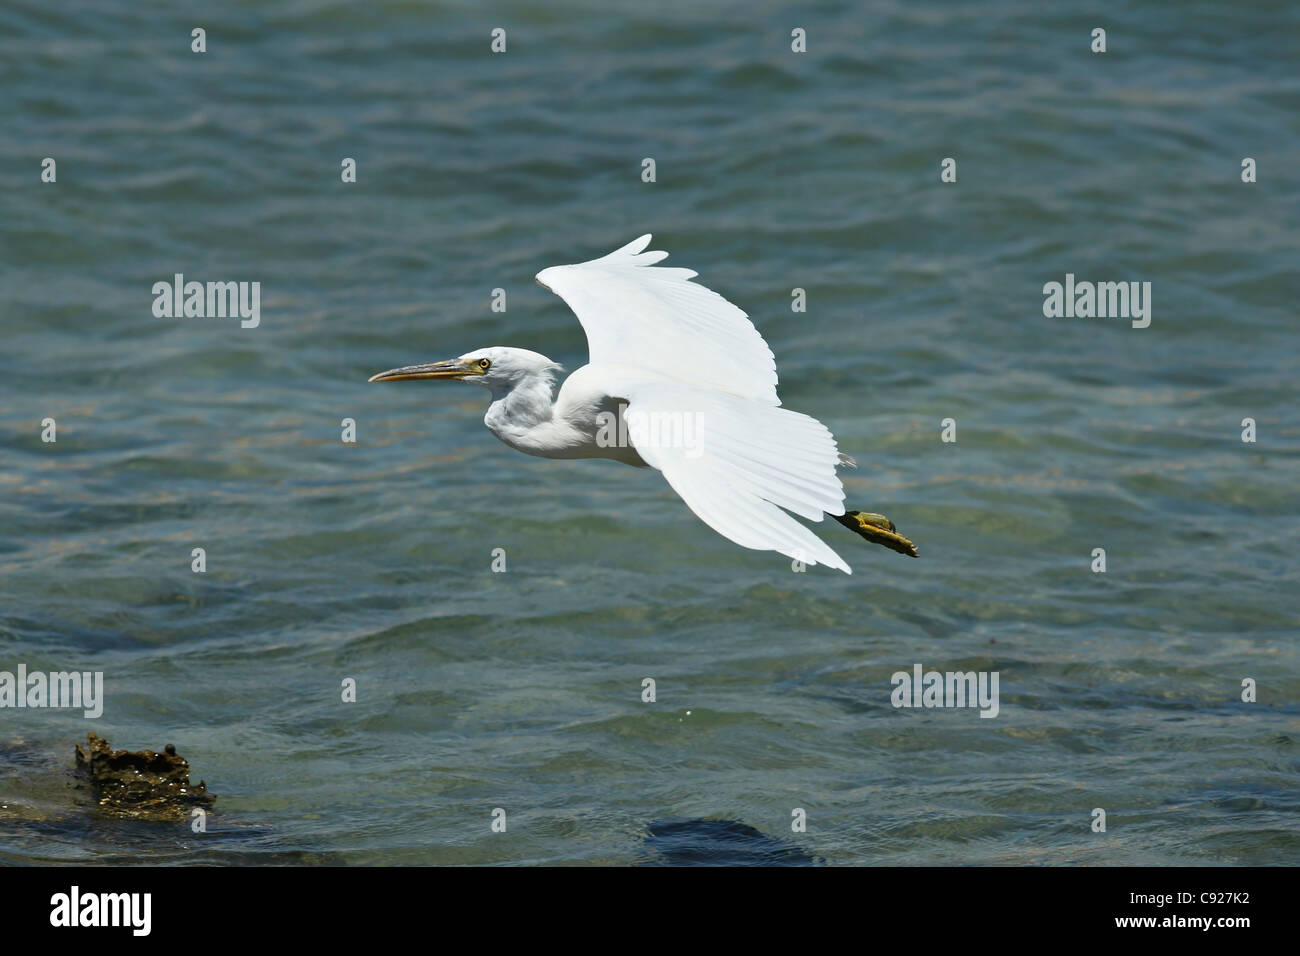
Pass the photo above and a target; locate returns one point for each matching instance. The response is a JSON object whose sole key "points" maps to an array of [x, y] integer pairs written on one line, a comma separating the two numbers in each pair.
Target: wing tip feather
{"points": [[635, 247]]}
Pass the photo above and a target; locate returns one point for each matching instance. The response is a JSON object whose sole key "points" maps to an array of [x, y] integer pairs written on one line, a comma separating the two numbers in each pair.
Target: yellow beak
{"points": [[452, 368]]}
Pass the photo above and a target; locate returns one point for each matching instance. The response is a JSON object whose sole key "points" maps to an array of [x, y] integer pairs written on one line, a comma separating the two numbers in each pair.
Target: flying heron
{"points": [[679, 380]]}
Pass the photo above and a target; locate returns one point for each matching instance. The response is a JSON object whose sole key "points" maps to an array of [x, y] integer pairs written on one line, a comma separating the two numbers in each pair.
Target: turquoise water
{"points": [[522, 690]]}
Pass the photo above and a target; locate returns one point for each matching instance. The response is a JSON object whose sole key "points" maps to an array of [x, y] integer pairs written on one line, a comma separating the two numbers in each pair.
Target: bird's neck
{"points": [[523, 415]]}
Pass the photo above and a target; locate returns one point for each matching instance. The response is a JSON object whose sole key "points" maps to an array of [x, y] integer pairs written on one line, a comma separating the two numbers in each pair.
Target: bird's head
{"points": [[498, 368]]}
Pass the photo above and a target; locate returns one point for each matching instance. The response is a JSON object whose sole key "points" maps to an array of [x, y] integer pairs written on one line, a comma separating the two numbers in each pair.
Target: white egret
{"points": [[680, 380]]}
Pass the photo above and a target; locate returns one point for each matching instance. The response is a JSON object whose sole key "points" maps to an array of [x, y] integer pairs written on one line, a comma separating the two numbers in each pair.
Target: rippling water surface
{"points": [[774, 171]]}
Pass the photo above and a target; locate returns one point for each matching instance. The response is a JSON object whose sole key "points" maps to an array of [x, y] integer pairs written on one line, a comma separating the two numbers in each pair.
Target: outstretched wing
{"points": [[657, 318], [737, 462]]}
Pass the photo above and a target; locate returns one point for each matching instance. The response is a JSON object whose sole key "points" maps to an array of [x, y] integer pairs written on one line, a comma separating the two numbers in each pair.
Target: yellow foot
{"points": [[877, 528]]}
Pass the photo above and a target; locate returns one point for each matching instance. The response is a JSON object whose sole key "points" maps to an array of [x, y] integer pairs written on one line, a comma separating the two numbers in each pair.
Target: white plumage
{"points": [[755, 459], [678, 379], [637, 313]]}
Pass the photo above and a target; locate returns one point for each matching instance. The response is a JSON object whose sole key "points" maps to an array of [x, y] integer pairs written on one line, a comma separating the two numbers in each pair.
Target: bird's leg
{"points": [[877, 528]]}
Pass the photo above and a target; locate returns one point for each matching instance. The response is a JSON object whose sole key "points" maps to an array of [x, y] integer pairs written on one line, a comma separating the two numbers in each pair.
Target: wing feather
{"points": [[736, 484], [655, 317]]}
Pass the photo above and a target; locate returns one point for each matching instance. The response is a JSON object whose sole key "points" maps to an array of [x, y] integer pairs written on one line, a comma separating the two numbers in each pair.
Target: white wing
{"points": [[737, 462], [656, 318]]}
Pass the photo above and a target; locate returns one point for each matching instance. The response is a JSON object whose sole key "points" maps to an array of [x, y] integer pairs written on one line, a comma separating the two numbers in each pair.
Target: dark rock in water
{"points": [[141, 784], [719, 843]]}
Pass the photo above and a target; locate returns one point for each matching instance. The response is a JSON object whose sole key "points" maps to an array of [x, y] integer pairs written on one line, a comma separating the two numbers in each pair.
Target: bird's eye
{"points": [[485, 364]]}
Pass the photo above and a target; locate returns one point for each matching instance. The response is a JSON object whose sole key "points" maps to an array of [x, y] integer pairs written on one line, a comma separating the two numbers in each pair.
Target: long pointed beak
{"points": [[453, 368]]}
